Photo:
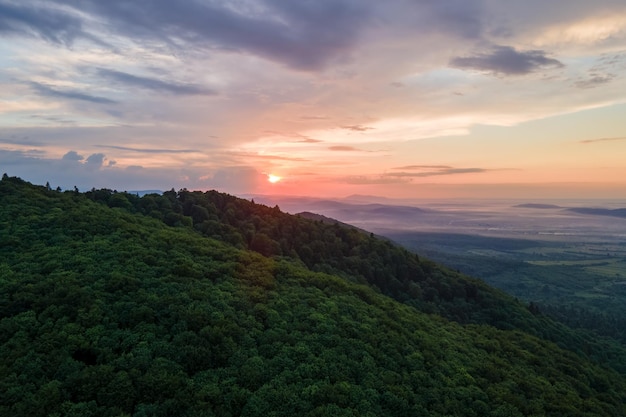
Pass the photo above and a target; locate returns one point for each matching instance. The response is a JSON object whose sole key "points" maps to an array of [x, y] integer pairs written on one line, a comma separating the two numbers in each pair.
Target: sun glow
{"points": [[273, 178]]}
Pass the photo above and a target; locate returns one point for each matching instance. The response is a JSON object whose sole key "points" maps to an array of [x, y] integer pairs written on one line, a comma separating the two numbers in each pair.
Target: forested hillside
{"points": [[577, 283], [200, 304]]}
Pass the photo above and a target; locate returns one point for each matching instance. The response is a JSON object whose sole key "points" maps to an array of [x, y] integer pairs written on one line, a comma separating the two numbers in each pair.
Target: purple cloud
{"points": [[507, 60]]}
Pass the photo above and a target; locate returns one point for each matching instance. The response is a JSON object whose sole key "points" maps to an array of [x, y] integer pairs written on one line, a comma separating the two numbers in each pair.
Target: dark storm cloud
{"points": [[47, 91], [302, 34], [507, 60], [28, 20], [153, 84]]}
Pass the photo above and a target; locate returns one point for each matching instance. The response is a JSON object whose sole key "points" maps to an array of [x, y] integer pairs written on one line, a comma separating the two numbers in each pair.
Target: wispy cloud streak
{"points": [[437, 172], [147, 150], [153, 84], [53, 25], [47, 91], [603, 140]]}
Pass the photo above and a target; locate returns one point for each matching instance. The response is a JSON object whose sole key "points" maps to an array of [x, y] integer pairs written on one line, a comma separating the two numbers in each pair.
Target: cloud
{"points": [[69, 171], [437, 171], [40, 21], [53, 119], [137, 80], [299, 138], [356, 128], [603, 140], [507, 60], [147, 150], [15, 158], [245, 155], [23, 141], [595, 80], [72, 156], [461, 17], [47, 91], [303, 35], [374, 180], [308, 140], [344, 148], [153, 84], [95, 160]]}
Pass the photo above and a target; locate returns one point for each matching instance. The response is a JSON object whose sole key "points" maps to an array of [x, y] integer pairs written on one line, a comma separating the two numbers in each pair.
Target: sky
{"points": [[327, 98]]}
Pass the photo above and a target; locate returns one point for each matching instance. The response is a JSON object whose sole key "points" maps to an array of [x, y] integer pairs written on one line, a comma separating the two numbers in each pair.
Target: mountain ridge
{"points": [[118, 305]]}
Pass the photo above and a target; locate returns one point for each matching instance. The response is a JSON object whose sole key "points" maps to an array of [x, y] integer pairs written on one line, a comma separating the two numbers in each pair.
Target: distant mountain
{"points": [[352, 211], [341, 209], [190, 303], [373, 210], [368, 199], [537, 206], [621, 212], [391, 211]]}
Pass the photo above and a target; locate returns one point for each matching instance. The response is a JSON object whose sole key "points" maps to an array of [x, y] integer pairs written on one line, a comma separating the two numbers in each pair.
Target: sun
{"points": [[273, 178]]}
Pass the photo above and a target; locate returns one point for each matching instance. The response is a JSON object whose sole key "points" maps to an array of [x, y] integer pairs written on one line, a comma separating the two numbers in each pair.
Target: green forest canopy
{"points": [[200, 304]]}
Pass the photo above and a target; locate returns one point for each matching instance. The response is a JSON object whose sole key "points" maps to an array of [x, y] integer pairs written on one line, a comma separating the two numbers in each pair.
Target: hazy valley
{"points": [[567, 257]]}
